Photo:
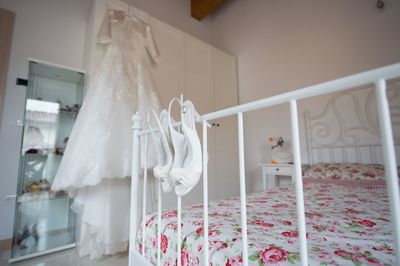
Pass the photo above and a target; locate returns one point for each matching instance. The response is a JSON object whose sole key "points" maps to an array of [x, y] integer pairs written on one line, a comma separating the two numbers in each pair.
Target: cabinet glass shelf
{"points": [[43, 218]]}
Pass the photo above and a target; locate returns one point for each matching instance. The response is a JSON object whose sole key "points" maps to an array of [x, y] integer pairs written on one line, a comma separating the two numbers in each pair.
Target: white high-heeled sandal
{"points": [[178, 142], [164, 154], [188, 175]]}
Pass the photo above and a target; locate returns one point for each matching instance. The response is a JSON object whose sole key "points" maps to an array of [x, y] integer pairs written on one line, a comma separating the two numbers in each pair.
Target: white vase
{"points": [[282, 155]]}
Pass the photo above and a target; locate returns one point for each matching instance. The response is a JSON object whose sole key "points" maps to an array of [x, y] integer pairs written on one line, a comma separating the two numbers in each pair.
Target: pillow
{"points": [[346, 171]]}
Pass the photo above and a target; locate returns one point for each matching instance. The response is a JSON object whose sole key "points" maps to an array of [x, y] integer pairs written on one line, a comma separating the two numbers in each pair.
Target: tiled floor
{"points": [[66, 258]]}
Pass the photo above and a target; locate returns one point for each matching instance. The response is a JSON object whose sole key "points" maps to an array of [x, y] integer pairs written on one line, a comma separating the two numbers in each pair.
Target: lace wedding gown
{"points": [[97, 158]]}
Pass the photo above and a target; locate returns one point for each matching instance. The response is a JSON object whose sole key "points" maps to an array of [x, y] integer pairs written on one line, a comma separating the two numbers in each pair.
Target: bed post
{"points": [[159, 213], [299, 183], [307, 120], [133, 226], [144, 199], [205, 193], [389, 158], [243, 209]]}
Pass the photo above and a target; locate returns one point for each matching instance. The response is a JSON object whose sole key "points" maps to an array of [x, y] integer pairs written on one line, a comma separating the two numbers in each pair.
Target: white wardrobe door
{"points": [[168, 74], [226, 141], [199, 89], [199, 74], [225, 80]]}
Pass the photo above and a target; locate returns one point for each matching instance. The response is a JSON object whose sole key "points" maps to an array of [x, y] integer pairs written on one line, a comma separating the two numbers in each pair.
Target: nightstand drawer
{"points": [[279, 170]]}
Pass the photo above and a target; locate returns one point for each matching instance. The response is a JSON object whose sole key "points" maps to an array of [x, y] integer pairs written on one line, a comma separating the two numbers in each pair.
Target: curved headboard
{"points": [[347, 129]]}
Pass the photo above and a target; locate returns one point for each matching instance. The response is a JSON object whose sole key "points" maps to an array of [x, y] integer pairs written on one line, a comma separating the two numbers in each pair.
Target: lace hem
{"points": [[93, 244], [93, 241]]}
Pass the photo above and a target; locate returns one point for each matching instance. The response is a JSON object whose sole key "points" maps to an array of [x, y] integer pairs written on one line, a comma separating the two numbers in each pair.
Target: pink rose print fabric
{"points": [[346, 225], [347, 171]]}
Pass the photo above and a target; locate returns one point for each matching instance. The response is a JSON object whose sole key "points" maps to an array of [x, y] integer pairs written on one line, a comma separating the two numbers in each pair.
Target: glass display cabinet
{"points": [[43, 220]]}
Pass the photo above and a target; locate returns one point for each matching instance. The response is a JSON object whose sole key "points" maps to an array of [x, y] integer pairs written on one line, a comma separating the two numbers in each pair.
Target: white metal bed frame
{"points": [[377, 76], [333, 137]]}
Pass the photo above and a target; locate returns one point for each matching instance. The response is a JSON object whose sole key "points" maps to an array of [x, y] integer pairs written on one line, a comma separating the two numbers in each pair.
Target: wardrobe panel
{"points": [[225, 80], [212, 175], [199, 88], [225, 130], [226, 158], [168, 74], [199, 74]]}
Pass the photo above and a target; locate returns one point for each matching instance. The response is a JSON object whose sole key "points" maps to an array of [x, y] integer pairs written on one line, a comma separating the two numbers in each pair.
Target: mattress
{"points": [[346, 225]]}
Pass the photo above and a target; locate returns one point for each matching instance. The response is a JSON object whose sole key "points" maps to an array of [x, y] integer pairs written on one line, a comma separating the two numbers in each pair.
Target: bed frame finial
{"points": [[136, 121]]}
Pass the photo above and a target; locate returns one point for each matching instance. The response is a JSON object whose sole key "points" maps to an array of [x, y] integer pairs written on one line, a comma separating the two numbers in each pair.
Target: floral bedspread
{"points": [[345, 226], [348, 171]]}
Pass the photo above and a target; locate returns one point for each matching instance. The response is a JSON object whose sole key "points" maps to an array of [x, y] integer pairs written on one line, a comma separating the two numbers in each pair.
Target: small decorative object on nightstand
{"points": [[280, 151], [272, 172]]}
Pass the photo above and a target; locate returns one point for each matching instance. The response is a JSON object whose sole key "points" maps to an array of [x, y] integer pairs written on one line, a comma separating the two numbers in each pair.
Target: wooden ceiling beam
{"points": [[201, 8]]}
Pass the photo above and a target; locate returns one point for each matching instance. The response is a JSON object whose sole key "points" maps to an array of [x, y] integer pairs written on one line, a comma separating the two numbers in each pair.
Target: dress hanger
{"points": [[130, 4], [126, 11]]}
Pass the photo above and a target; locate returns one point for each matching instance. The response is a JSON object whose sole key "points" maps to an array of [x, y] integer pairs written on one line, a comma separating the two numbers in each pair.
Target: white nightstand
{"points": [[272, 172]]}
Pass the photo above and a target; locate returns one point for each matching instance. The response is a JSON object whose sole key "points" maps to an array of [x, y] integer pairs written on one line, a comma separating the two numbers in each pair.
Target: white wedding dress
{"points": [[97, 159]]}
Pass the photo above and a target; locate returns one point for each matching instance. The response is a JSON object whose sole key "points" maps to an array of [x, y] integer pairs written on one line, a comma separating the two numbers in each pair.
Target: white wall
{"points": [[284, 45]]}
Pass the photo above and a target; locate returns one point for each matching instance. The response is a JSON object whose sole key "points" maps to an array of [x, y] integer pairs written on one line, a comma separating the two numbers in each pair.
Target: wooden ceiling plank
{"points": [[201, 8]]}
